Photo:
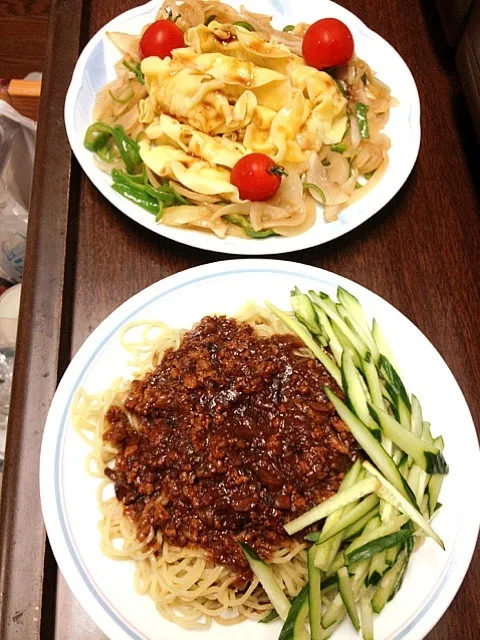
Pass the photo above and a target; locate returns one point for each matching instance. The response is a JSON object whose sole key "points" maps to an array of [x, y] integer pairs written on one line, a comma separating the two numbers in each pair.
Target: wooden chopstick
{"points": [[24, 96]]}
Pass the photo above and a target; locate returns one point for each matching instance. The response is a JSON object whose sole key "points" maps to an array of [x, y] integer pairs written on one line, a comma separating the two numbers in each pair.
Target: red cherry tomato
{"points": [[256, 177], [327, 43], [160, 38]]}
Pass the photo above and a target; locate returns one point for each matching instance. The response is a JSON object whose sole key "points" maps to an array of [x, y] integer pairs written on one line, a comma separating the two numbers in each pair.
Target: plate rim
{"points": [[238, 246], [459, 559]]}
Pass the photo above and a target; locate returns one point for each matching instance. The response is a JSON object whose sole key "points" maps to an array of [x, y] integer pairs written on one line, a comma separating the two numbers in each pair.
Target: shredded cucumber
{"points": [[268, 581]]}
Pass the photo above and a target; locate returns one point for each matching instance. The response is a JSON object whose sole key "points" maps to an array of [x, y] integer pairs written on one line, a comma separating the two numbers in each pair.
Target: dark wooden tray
{"points": [[421, 253]]}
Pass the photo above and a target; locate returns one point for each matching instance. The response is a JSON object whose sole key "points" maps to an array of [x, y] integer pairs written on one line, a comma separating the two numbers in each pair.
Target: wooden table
{"points": [[421, 253], [23, 41]]}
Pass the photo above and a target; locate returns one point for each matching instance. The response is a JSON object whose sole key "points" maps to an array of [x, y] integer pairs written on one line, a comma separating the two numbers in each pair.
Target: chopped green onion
{"points": [[136, 69], [339, 148], [361, 113], [368, 175], [321, 193], [288, 28], [209, 20], [342, 86], [123, 100], [245, 25], [358, 185]]}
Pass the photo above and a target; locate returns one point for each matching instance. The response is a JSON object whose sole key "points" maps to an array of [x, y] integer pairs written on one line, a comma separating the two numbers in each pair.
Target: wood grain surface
{"points": [[23, 36], [39, 351], [22, 45], [421, 253]]}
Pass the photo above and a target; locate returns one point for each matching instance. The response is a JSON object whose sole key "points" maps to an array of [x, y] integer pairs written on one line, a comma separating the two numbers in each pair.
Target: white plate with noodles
{"points": [[353, 134], [118, 594]]}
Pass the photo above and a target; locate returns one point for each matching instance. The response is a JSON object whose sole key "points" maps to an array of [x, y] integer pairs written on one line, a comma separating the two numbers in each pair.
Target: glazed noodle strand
{"points": [[229, 92], [186, 585]]}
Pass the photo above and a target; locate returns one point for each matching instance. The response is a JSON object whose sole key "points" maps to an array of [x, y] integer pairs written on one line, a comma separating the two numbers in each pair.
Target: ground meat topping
{"points": [[234, 438]]}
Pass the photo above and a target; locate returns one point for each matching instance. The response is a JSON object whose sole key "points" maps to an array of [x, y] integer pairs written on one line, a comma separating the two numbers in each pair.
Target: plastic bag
{"points": [[17, 148]]}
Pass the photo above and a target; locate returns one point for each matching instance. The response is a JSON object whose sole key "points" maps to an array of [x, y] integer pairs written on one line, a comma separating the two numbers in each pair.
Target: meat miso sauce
{"points": [[233, 438]]}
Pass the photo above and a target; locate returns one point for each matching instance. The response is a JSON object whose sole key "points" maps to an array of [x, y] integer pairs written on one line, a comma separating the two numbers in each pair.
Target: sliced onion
{"points": [[108, 167], [370, 184], [338, 170], [331, 213], [129, 120], [256, 216], [194, 12], [193, 195], [317, 175], [194, 216], [286, 208], [185, 214], [188, 13], [102, 108], [290, 194], [242, 208], [354, 132], [272, 212], [349, 185], [298, 168], [379, 88], [351, 73], [219, 227], [119, 108], [310, 216], [272, 215], [126, 43], [233, 230], [152, 177], [369, 157]]}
